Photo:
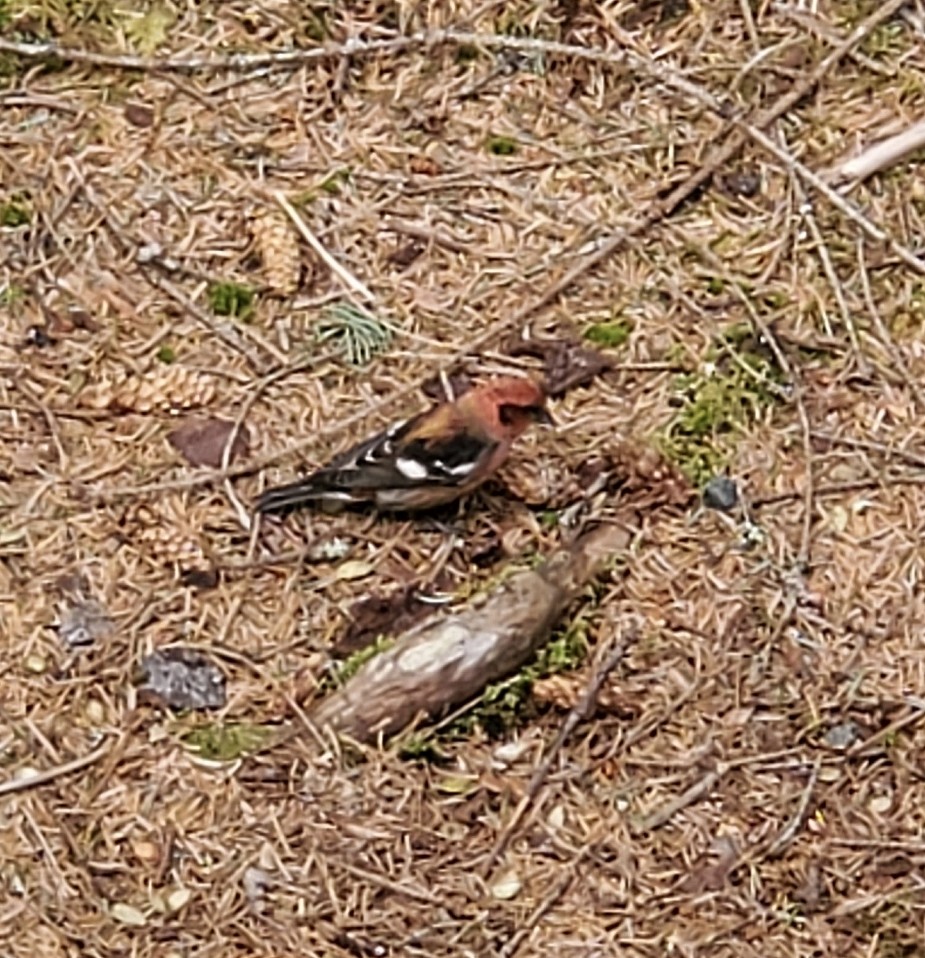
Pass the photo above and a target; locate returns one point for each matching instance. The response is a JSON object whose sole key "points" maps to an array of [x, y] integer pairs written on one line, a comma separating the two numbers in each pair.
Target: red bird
{"points": [[431, 459]]}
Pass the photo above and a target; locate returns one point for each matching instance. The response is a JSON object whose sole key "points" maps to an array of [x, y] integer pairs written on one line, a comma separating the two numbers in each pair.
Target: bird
{"points": [[429, 460]]}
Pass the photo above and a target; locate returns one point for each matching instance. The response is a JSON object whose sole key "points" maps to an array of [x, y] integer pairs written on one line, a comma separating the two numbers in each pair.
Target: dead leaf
{"points": [[202, 442], [425, 165], [712, 869], [353, 569], [507, 886], [128, 915], [406, 254], [139, 114], [567, 363], [183, 679]]}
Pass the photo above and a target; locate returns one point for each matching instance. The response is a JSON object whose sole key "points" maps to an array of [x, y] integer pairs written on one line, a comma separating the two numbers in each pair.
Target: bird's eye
{"points": [[508, 415]]}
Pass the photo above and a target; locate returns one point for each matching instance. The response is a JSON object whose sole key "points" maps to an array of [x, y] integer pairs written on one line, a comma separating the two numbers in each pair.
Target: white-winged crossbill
{"points": [[428, 460]]}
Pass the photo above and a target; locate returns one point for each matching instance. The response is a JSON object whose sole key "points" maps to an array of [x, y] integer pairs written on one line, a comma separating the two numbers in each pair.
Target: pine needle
{"points": [[359, 335]]}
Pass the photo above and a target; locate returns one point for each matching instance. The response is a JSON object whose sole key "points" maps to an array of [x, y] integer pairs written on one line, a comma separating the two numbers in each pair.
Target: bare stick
{"points": [[661, 816], [512, 945], [343, 274], [832, 276], [237, 63], [886, 340], [582, 709], [50, 774], [881, 155], [447, 659], [830, 35], [790, 830]]}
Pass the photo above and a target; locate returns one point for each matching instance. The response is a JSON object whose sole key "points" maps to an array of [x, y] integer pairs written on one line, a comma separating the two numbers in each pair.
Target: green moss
{"points": [[226, 742], [501, 145], [334, 183], [610, 335], [15, 212], [885, 41], [166, 354], [549, 519], [507, 704], [316, 23], [346, 670], [738, 380], [232, 299], [12, 294]]}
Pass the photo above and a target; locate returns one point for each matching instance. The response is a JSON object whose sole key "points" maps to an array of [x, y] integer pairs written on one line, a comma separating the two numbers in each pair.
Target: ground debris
{"points": [[182, 679], [567, 362], [202, 442]]}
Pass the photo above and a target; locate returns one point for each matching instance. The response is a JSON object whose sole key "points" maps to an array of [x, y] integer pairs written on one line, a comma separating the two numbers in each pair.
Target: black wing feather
{"points": [[362, 470]]}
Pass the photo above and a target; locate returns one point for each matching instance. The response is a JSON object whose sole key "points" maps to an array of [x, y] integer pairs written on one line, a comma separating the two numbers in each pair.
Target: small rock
{"points": [[507, 886], [744, 183], [843, 735], [182, 679], [721, 493]]}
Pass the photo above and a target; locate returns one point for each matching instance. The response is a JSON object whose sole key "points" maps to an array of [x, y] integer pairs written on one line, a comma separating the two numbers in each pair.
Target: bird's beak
{"points": [[541, 415]]}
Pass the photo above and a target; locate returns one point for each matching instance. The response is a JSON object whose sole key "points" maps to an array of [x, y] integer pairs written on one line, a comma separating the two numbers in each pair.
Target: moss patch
{"points": [[610, 335], [226, 742], [737, 380], [15, 212], [232, 299]]}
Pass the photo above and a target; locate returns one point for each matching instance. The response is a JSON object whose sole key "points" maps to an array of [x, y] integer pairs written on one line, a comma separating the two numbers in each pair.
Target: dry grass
{"points": [[707, 807]]}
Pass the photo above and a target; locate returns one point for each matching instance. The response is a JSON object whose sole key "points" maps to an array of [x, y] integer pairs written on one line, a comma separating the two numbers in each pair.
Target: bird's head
{"points": [[518, 403]]}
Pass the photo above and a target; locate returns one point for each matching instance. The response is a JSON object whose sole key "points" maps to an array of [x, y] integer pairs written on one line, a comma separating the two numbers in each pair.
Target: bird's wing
{"points": [[410, 454], [430, 449]]}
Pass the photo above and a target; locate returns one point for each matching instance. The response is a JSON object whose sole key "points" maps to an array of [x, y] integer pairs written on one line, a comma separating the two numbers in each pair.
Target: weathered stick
{"points": [[446, 660]]}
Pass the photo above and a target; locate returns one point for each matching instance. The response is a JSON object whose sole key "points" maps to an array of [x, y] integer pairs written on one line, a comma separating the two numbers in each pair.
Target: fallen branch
{"points": [[880, 156], [447, 660]]}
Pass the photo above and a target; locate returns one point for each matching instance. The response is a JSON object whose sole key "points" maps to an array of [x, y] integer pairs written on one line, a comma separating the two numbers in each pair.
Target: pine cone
{"points": [[165, 533], [167, 389], [278, 247]]}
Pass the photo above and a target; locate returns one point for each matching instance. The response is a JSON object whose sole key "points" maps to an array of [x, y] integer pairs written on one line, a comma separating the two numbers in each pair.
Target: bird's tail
{"points": [[298, 493]]}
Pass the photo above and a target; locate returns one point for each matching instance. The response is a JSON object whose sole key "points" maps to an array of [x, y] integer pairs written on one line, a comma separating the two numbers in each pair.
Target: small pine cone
{"points": [[645, 472], [560, 691], [161, 533], [168, 389], [278, 247]]}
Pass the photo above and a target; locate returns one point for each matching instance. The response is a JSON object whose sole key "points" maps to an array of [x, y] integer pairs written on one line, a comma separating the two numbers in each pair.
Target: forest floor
{"points": [[657, 181]]}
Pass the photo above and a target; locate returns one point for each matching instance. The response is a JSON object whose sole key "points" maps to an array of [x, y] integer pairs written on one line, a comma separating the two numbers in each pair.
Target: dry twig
{"points": [[579, 713]]}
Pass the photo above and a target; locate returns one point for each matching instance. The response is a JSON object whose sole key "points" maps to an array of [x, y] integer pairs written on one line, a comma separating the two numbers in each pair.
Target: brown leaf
{"points": [[406, 254], [202, 442], [425, 165], [139, 114], [567, 362]]}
